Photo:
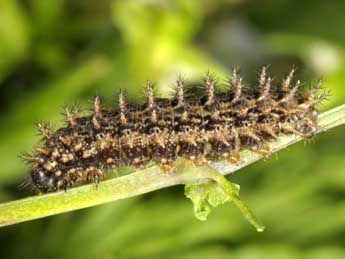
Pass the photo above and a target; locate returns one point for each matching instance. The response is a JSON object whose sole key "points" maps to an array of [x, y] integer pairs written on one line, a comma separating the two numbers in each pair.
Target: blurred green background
{"points": [[58, 52]]}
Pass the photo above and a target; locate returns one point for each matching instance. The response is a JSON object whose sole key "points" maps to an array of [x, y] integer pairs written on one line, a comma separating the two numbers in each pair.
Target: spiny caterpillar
{"points": [[214, 125]]}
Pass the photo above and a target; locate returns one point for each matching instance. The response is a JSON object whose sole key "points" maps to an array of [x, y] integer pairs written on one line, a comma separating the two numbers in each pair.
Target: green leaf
{"points": [[205, 196]]}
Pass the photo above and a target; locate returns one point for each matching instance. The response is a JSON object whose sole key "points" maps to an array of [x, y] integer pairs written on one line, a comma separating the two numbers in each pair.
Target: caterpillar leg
{"points": [[167, 166], [265, 150], [234, 159], [95, 175], [197, 160]]}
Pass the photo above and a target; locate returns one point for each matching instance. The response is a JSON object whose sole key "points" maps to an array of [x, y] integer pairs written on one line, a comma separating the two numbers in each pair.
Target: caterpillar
{"points": [[198, 127]]}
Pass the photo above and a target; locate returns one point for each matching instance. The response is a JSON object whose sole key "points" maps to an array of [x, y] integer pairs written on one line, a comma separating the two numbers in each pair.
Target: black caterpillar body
{"points": [[215, 125]]}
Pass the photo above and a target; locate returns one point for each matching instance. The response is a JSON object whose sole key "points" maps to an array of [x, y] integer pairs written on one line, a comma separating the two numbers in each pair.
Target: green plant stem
{"points": [[144, 181]]}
